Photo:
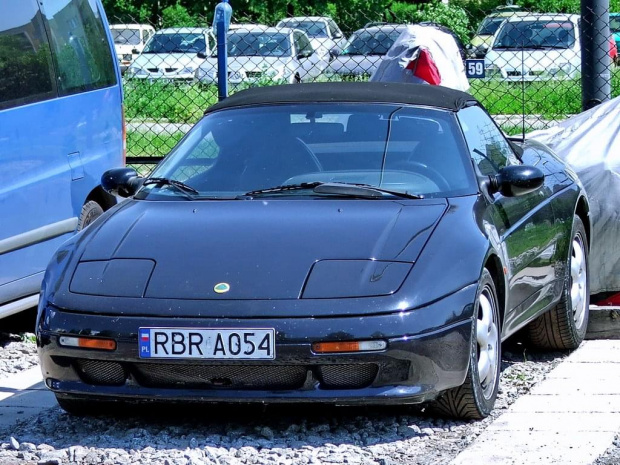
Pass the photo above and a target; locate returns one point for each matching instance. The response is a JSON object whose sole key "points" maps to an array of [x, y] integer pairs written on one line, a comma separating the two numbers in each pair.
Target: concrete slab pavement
{"points": [[23, 395], [570, 418]]}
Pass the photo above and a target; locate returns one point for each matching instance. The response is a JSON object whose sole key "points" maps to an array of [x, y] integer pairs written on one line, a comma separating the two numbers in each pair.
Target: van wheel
{"points": [[90, 212]]}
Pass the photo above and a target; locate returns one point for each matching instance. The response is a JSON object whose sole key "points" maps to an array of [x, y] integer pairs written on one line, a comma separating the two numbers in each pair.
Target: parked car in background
{"points": [[173, 53], [535, 47], [483, 38], [255, 53], [324, 33], [129, 41], [61, 127], [348, 243], [364, 51], [614, 26]]}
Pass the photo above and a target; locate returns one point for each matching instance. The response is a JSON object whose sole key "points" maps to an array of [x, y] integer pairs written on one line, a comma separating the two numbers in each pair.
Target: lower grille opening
{"points": [[352, 376], [101, 373], [220, 376]]}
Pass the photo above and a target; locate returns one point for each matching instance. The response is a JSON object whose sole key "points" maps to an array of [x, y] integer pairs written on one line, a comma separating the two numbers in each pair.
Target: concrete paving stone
{"points": [[556, 422], [577, 403], [577, 385], [23, 380], [535, 447], [585, 370]]}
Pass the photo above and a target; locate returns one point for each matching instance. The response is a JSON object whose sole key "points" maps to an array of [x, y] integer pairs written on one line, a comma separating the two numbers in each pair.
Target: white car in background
{"points": [[173, 53], [129, 41], [535, 47], [364, 51], [259, 52], [324, 33]]}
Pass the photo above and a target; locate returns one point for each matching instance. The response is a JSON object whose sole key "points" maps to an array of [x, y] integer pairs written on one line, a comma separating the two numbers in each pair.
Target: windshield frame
{"points": [[259, 51], [371, 35], [524, 43], [190, 51], [181, 152]]}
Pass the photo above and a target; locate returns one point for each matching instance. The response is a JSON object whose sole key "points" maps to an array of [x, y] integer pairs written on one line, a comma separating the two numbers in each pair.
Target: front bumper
{"points": [[427, 353]]}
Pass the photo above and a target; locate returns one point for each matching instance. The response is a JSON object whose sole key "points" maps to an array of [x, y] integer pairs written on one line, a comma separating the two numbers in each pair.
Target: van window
{"points": [[81, 53], [26, 74]]}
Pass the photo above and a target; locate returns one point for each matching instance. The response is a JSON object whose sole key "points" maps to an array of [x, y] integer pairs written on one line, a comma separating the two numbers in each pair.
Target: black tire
{"points": [[90, 212], [564, 326], [475, 399]]}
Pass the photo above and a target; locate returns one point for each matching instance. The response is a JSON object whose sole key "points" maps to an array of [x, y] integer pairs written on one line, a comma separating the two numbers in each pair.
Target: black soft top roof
{"points": [[370, 92]]}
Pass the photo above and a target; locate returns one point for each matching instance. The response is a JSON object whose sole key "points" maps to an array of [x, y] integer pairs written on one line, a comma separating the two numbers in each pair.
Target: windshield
{"points": [[614, 24], [310, 27], [176, 43], [412, 150], [536, 34], [126, 36], [259, 44], [371, 42], [490, 25]]}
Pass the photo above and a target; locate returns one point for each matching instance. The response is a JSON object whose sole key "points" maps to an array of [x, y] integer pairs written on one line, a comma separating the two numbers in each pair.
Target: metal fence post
{"points": [[221, 22], [595, 60]]}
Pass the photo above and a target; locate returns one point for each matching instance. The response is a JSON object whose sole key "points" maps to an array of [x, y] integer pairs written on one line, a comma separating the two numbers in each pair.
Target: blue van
{"points": [[61, 127]]}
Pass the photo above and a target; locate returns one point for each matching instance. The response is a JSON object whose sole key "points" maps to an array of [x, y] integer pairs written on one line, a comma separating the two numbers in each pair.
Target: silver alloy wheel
{"points": [[578, 281], [488, 340]]}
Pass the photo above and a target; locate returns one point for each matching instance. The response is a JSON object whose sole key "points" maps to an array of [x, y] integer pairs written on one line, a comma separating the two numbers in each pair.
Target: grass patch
{"points": [[149, 144]]}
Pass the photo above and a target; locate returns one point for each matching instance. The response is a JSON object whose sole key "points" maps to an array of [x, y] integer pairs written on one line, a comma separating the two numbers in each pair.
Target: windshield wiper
{"points": [[286, 188], [361, 190], [180, 186]]}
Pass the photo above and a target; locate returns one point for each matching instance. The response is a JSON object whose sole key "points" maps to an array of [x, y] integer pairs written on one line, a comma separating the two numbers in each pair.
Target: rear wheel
{"points": [[564, 326], [476, 397], [90, 212]]}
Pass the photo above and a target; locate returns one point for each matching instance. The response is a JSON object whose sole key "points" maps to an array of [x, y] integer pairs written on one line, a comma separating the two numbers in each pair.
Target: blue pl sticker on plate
{"points": [[144, 340], [474, 68]]}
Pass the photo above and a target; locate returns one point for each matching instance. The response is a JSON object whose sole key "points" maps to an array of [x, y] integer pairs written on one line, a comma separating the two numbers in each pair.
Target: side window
{"points": [[80, 47], [488, 147], [26, 73], [334, 32], [303, 45]]}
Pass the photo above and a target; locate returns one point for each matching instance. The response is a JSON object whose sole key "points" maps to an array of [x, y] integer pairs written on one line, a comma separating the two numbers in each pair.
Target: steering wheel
{"points": [[424, 170]]}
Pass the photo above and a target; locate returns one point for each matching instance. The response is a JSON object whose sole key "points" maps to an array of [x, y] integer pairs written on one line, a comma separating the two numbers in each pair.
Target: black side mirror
{"points": [[135, 51], [512, 181], [123, 182], [201, 55]]}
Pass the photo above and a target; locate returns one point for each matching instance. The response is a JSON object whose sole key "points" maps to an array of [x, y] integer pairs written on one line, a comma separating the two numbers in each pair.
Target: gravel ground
{"points": [[17, 352], [611, 455], [275, 435]]}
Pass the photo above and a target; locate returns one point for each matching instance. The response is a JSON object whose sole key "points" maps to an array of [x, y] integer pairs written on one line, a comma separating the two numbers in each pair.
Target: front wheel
{"points": [[475, 399], [564, 326]]}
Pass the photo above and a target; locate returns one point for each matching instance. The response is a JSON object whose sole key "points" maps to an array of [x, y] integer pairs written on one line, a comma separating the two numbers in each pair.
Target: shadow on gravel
{"points": [[284, 426]]}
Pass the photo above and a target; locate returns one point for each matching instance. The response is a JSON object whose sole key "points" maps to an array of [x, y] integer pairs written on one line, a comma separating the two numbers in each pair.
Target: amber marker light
{"points": [[87, 343], [350, 346]]}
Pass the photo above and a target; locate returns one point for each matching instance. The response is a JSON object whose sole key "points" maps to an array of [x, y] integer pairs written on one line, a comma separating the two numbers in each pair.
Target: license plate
{"points": [[202, 343]]}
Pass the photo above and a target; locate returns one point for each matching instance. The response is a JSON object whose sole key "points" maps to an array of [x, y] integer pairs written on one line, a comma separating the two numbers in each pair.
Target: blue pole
{"points": [[221, 20]]}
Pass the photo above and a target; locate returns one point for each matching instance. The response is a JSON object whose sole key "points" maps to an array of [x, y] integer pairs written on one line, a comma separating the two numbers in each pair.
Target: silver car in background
{"points": [[277, 54], [364, 51], [325, 35], [173, 54]]}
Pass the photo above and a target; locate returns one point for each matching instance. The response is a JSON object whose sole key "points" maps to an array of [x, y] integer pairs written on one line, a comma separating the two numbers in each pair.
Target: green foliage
{"points": [[454, 17], [177, 16]]}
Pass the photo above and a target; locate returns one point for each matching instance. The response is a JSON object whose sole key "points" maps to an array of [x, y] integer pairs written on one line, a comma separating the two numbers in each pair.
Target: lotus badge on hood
{"points": [[221, 288]]}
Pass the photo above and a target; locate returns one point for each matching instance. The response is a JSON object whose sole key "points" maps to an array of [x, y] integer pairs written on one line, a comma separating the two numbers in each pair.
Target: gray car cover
{"points": [[423, 54], [590, 143]]}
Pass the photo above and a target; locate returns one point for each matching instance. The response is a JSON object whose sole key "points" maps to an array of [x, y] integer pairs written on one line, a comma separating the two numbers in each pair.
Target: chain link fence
{"points": [[528, 73]]}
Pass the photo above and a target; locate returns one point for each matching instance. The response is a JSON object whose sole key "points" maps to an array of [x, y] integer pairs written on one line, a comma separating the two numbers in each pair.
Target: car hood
{"points": [[532, 59], [124, 49], [168, 60], [354, 64], [258, 63], [260, 249]]}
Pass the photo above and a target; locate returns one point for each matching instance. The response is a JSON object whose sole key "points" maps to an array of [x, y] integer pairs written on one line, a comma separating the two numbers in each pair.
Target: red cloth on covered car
{"points": [[425, 68]]}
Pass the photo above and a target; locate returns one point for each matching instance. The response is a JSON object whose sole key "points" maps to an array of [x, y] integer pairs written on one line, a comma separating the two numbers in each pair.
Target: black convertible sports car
{"points": [[334, 242]]}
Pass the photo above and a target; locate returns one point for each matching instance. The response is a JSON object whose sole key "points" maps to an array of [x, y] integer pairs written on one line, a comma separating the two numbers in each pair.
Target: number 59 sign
{"points": [[474, 68]]}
